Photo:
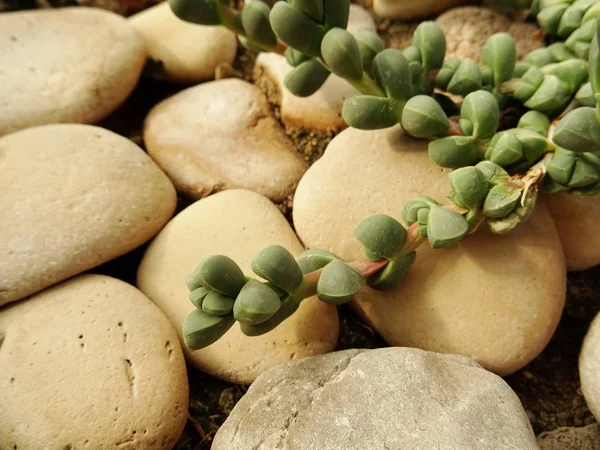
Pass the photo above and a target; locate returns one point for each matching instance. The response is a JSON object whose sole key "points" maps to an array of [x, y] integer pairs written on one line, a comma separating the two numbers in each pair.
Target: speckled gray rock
{"points": [[90, 364], [589, 367], [65, 65], [392, 398], [571, 438]]}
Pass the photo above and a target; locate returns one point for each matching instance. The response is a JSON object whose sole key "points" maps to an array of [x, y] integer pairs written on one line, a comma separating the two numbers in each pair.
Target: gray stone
{"points": [[571, 438], [392, 398]]}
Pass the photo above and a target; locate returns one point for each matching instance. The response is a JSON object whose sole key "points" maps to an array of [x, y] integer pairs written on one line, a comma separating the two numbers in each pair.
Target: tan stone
{"points": [[90, 363], [67, 65], [576, 219], [239, 224], [190, 53], [221, 135], [589, 367], [467, 28], [496, 299], [575, 438], [412, 9], [322, 111], [73, 197]]}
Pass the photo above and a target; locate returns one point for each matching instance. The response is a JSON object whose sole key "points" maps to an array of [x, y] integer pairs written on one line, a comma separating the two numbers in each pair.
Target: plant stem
{"points": [[366, 85]]}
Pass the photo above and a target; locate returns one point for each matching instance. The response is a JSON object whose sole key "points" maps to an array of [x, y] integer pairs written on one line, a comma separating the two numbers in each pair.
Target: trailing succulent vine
{"points": [[497, 174]]}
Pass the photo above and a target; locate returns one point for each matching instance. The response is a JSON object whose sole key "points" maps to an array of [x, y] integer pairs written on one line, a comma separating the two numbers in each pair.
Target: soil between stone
{"points": [[548, 387]]}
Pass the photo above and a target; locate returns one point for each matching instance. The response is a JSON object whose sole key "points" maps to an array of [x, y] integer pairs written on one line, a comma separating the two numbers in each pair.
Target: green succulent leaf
{"points": [[561, 167], [295, 57], [314, 259], [549, 17], [501, 201], [255, 21], [255, 303], [573, 72], [307, 78], [469, 187], [370, 44], [529, 84], [515, 218], [278, 266], [579, 131], [423, 117], [584, 174], [445, 228], [521, 67], [201, 12], [551, 97], [382, 235], [413, 207], [296, 29], [535, 121], [338, 283], [539, 57], [504, 149], [481, 109], [453, 151], [492, 172], [533, 144], [341, 54], [447, 71], [312, 8], [218, 273], [201, 330], [585, 95], [466, 79], [217, 304], [336, 13], [289, 305], [368, 112], [197, 296], [500, 55], [431, 42], [391, 72], [560, 52], [392, 273]]}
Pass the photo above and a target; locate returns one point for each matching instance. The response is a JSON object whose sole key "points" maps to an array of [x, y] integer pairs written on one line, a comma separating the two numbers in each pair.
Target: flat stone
{"points": [[73, 197], [322, 111], [239, 224], [576, 219], [221, 135], [589, 367], [412, 9], [467, 28], [90, 363], [496, 299], [392, 398], [189, 53], [66, 65], [576, 438]]}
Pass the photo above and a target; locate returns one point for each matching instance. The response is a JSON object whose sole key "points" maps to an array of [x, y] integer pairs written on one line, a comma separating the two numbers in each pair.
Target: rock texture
{"points": [[221, 135], [467, 28], [90, 363], [412, 9], [571, 438], [190, 53], [589, 367], [322, 111], [496, 299], [576, 219], [238, 224], [73, 197], [68, 65], [392, 398]]}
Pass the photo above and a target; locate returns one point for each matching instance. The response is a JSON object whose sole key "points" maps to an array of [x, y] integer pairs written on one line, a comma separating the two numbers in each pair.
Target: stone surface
{"points": [[496, 299], [571, 438], [467, 28], [322, 111], [189, 53], [73, 197], [239, 224], [576, 219], [71, 65], [589, 367], [412, 9], [221, 135], [90, 363], [391, 398]]}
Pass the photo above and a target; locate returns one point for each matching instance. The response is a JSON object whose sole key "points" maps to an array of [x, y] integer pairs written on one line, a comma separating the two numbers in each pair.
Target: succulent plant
{"points": [[497, 174]]}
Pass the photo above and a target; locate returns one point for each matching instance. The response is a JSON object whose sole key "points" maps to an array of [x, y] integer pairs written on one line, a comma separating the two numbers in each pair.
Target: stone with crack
{"points": [[392, 398]]}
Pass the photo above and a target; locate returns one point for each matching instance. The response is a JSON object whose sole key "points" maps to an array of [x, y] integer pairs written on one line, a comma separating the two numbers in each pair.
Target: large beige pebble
{"points": [[322, 111], [496, 299], [571, 438], [90, 363], [576, 219], [68, 65], [73, 197], [589, 367], [239, 224], [467, 28], [221, 135], [412, 9], [189, 53]]}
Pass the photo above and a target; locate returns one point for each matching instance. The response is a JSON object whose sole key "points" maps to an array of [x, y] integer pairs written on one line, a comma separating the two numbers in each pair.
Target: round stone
{"points": [[494, 298], [589, 367], [412, 9], [90, 363]]}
